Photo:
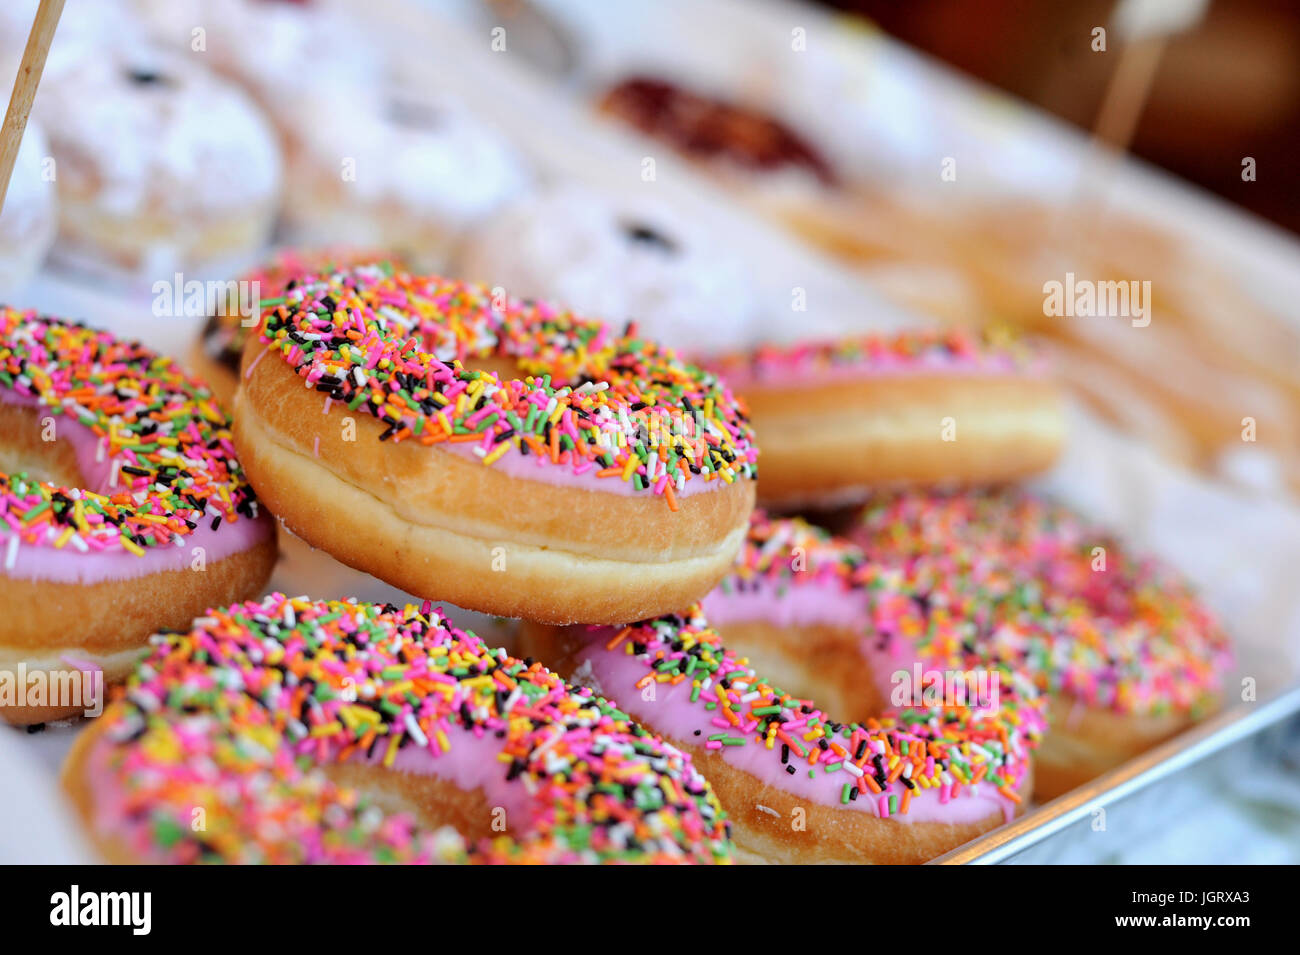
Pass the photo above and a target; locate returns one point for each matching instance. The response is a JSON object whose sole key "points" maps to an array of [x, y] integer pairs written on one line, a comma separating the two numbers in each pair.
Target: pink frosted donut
{"points": [[504, 455], [905, 785], [122, 510], [333, 732], [1126, 653], [840, 417]]}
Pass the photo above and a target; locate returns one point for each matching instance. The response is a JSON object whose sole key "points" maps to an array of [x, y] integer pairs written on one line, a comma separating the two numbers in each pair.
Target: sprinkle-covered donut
{"points": [[608, 481], [292, 731], [1125, 650], [917, 407], [799, 785], [216, 355], [145, 520]]}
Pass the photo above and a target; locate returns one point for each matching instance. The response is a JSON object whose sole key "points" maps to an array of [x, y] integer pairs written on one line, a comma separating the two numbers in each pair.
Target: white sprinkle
{"points": [[413, 728], [11, 552], [767, 809]]}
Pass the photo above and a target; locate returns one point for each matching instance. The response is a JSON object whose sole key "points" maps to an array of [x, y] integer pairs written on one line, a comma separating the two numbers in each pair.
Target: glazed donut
{"points": [[145, 521], [160, 164], [30, 217], [912, 408], [215, 356], [1126, 653], [625, 260], [340, 732], [798, 785], [610, 482]]}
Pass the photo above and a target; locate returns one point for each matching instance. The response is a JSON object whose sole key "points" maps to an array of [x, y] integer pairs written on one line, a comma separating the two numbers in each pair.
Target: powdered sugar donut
{"points": [[145, 521], [397, 171], [624, 260], [839, 417], [30, 217], [506, 456], [335, 732], [370, 161], [160, 164], [799, 785], [1120, 643]]}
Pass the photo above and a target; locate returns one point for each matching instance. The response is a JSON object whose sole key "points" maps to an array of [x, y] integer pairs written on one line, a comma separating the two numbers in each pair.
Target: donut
{"points": [[713, 130], [799, 785], [343, 732], [797, 606], [122, 508], [609, 482], [1120, 644], [916, 407], [216, 355], [408, 172], [30, 216], [372, 159], [160, 163], [567, 244]]}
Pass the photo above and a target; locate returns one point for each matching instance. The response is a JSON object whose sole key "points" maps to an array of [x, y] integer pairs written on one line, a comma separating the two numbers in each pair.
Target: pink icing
{"points": [[814, 372], [795, 605], [672, 714], [43, 561], [534, 468]]}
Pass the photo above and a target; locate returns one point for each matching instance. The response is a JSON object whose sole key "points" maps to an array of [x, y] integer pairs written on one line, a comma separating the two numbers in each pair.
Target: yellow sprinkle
{"points": [[499, 450], [327, 729], [391, 756], [132, 546]]}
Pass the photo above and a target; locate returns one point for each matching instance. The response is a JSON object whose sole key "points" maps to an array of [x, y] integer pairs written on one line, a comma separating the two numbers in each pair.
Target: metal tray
{"points": [[1060, 818]]}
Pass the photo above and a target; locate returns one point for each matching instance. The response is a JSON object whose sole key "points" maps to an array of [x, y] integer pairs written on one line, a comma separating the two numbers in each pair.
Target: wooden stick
{"points": [[1128, 91], [29, 77]]}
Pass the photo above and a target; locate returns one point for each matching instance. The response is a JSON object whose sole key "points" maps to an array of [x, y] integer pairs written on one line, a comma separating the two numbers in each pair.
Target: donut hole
{"points": [[25, 449]]}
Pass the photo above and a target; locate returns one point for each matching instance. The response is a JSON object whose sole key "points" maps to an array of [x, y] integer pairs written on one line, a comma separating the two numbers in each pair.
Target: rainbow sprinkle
{"points": [[949, 351], [225, 334], [393, 345], [165, 443], [1024, 575], [243, 716], [884, 761]]}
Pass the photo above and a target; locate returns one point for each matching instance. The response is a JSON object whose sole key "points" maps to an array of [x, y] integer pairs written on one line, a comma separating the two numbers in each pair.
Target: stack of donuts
{"points": [[692, 680]]}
